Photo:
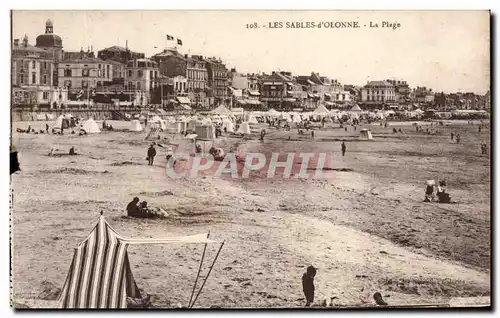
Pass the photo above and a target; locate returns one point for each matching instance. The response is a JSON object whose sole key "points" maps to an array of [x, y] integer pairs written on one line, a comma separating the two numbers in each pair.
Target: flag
{"points": [[179, 42], [170, 38]]}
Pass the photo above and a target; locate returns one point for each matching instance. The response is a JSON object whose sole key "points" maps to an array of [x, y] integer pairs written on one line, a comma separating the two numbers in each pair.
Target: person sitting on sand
{"points": [[429, 193], [72, 151], [443, 197], [308, 284], [133, 208]]}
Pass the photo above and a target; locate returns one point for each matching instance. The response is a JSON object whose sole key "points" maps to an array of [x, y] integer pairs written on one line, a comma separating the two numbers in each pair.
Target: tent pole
{"points": [[208, 274], [199, 271]]}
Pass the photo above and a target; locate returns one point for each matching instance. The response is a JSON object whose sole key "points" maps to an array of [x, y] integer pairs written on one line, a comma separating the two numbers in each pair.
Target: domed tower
{"points": [[51, 43]]}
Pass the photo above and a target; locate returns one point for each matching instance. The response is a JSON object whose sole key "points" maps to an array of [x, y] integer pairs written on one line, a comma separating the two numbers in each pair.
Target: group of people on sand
{"points": [[151, 153], [141, 210], [105, 126], [439, 194]]}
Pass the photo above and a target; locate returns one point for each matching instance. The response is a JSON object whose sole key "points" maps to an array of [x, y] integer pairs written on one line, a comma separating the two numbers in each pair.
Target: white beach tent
{"points": [[157, 121], [59, 123], [365, 134], [135, 125], [252, 119], [228, 125], [356, 108], [285, 116], [100, 275], [91, 127], [273, 113], [221, 110], [296, 118], [244, 128], [321, 110]]}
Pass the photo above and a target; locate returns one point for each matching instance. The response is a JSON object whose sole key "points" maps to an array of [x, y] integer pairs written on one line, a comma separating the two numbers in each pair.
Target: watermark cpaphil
{"points": [[292, 165]]}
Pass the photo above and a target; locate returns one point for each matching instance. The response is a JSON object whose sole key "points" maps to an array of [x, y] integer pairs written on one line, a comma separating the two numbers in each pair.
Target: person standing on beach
{"points": [[47, 128], [151, 154], [343, 149], [308, 285]]}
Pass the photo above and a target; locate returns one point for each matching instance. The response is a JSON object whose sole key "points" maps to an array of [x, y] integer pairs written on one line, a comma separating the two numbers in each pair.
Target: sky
{"points": [[445, 50]]}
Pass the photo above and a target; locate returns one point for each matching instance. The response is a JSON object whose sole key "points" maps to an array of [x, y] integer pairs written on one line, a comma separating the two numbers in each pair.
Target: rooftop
{"points": [[378, 83]]}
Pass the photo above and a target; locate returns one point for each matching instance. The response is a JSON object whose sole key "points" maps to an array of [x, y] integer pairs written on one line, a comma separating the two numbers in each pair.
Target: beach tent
{"points": [[285, 116], [156, 121], [252, 119], [221, 110], [273, 113], [228, 125], [205, 131], [365, 134], [135, 125], [296, 118], [244, 128], [321, 110], [100, 274], [61, 122], [90, 127], [356, 108]]}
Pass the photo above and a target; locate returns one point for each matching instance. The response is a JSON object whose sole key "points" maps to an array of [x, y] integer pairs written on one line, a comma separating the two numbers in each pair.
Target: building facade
{"points": [[218, 81], [197, 77], [277, 91], [378, 92], [32, 76], [402, 90], [140, 79], [85, 74]]}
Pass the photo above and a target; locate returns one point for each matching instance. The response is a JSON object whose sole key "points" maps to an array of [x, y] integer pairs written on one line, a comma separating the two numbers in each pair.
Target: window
{"points": [[151, 74], [45, 95], [139, 73], [44, 79], [33, 78], [176, 86], [67, 73], [107, 71], [129, 73], [21, 79], [138, 85], [33, 64], [85, 73], [85, 84]]}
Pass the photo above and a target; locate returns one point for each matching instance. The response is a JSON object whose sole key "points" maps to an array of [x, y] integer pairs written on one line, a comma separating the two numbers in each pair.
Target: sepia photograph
{"points": [[250, 159]]}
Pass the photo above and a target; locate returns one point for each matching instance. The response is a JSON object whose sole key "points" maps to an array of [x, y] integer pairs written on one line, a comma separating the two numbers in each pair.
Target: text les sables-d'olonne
{"points": [[324, 24]]}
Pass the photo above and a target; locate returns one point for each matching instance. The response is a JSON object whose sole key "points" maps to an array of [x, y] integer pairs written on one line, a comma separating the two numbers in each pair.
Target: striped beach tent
{"points": [[100, 274]]}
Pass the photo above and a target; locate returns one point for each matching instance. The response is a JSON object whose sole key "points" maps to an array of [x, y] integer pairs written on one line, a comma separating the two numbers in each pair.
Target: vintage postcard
{"points": [[250, 159]]}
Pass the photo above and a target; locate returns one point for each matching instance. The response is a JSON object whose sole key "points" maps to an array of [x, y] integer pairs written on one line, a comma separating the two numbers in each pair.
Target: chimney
{"points": [[273, 73], [16, 42], [185, 55], [25, 41]]}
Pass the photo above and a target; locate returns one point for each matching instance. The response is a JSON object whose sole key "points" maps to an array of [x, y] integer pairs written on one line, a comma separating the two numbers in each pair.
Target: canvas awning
{"points": [[327, 94], [242, 101], [310, 82], [253, 93], [183, 100]]}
